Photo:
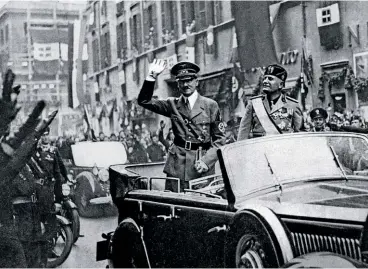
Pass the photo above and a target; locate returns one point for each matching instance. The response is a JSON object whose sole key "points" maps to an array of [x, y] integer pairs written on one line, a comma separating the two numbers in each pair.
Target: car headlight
{"points": [[103, 175], [65, 189]]}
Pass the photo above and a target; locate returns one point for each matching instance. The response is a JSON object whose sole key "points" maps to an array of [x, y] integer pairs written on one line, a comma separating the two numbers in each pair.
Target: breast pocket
{"points": [[203, 124]]}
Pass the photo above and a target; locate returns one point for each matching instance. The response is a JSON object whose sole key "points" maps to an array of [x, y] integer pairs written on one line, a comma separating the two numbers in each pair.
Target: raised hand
{"points": [[156, 68]]}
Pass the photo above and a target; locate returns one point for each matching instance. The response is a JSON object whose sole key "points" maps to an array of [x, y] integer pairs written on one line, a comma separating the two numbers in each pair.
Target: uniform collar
{"points": [[192, 99], [279, 103]]}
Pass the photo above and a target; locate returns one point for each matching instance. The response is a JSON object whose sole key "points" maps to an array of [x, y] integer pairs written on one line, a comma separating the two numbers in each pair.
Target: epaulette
{"points": [[292, 99], [258, 96]]}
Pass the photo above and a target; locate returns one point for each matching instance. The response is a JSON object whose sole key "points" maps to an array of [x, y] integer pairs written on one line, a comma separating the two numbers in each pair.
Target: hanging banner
{"points": [[190, 48]]}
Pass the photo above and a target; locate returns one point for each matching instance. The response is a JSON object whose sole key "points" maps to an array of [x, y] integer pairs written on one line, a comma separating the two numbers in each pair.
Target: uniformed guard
{"points": [[273, 112], [319, 117], [48, 167], [27, 216], [196, 123]]}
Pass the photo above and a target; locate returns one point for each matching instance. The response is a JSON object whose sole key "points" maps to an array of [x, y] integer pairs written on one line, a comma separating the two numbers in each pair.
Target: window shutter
{"points": [[210, 13], [124, 40], [132, 36], [139, 33], [96, 55], [108, 48], [154, 24], [119, 38], [103, 50], [146, 25]]}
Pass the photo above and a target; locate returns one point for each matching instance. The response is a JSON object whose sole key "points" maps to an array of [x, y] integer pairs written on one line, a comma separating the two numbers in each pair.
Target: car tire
{"points": [[73, 216], [252, 245], [83, 195], [127, 248], [68, 237]]}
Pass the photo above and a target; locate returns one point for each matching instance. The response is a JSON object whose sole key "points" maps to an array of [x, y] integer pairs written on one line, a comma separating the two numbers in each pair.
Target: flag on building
{"points": [[50, 51], [190, 48], [210, 41], [256, 46], [171, 56], [234, 48]]}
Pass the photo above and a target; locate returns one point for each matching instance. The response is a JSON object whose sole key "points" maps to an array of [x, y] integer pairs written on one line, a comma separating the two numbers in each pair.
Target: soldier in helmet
{"points": [[319, 117], [272, 112], [196, 123]]}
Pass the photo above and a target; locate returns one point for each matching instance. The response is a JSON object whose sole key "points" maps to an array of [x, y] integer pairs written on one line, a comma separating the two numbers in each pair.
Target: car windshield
{"points": [[261, 163], [103, 154]]}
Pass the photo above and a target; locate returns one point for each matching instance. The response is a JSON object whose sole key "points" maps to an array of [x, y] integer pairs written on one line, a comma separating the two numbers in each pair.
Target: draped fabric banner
{"points": [[256, 46], [50, 51]]}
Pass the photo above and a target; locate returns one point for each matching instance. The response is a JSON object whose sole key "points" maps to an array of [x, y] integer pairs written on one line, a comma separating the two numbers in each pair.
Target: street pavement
{"points": [[83, 254]]}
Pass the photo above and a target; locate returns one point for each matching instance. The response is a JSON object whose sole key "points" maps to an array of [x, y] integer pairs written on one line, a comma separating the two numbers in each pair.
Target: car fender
{"points": [[64, 221], [271, 224], [89, 176], [126, 228], [324, 260]]}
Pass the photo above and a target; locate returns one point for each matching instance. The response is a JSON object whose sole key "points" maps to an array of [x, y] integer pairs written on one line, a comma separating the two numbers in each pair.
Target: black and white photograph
{"points": [[183, 134]]}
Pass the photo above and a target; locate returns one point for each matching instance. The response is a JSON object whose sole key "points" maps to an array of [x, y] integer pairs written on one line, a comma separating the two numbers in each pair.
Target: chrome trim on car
{"points": [[277, 229], [325, 224], [307, 243]]}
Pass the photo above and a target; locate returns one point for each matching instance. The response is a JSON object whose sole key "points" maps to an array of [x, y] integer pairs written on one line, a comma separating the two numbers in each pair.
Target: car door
{"points": [[200, 227], [158, 233]]}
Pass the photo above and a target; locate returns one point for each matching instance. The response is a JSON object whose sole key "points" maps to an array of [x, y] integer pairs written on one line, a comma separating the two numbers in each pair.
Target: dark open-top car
{"points": [[89, 164], [278, 201]]}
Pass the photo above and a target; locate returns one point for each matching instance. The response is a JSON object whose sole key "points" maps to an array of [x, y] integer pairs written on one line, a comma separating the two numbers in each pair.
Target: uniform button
{"points": [[189, 130]]}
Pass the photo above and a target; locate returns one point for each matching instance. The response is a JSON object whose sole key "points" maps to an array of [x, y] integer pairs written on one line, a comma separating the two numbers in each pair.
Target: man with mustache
{"points": [[272, 112], [196, 123]]}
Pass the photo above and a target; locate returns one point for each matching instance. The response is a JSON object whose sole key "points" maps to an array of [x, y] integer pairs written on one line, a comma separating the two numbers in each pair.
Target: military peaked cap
{"points": [[277, 71], [318, 112], [184, 69]]}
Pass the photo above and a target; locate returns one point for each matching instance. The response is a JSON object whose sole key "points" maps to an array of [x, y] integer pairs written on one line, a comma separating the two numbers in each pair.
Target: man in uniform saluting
{"points": [[196, 123], [273, 112]]}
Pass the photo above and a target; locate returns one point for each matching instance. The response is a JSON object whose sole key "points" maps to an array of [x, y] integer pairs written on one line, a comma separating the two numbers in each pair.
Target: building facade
{"points": [[17, 21], [329, 38]]}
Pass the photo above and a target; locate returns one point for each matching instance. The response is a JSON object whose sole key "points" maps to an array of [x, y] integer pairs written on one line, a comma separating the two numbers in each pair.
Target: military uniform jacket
{"points": [[286, 114], [204, 117]]}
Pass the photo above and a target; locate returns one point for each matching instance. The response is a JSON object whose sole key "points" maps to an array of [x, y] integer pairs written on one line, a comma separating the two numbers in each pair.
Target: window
{"points": [[187, 14], [120, 8], [122, 40], [150, 26], [169, 15], [136, 32], [218, 12], [326, 15], [204, 14]]}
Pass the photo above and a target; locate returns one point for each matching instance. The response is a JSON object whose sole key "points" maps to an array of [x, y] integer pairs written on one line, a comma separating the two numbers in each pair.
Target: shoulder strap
{"points": [[266, 121], [186, 121]]}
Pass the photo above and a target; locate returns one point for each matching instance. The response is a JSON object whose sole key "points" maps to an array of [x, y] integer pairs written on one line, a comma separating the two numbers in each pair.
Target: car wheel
{"points": [[83, 195], [127, 248], [255, 249]]}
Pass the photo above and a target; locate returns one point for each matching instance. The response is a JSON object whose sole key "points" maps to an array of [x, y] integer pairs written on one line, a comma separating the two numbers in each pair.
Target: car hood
{"points": [[333, 200]]}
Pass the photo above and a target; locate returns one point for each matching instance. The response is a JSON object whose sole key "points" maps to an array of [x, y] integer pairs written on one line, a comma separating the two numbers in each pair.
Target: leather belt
{"points": [[24, 200], [188, 145]]}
